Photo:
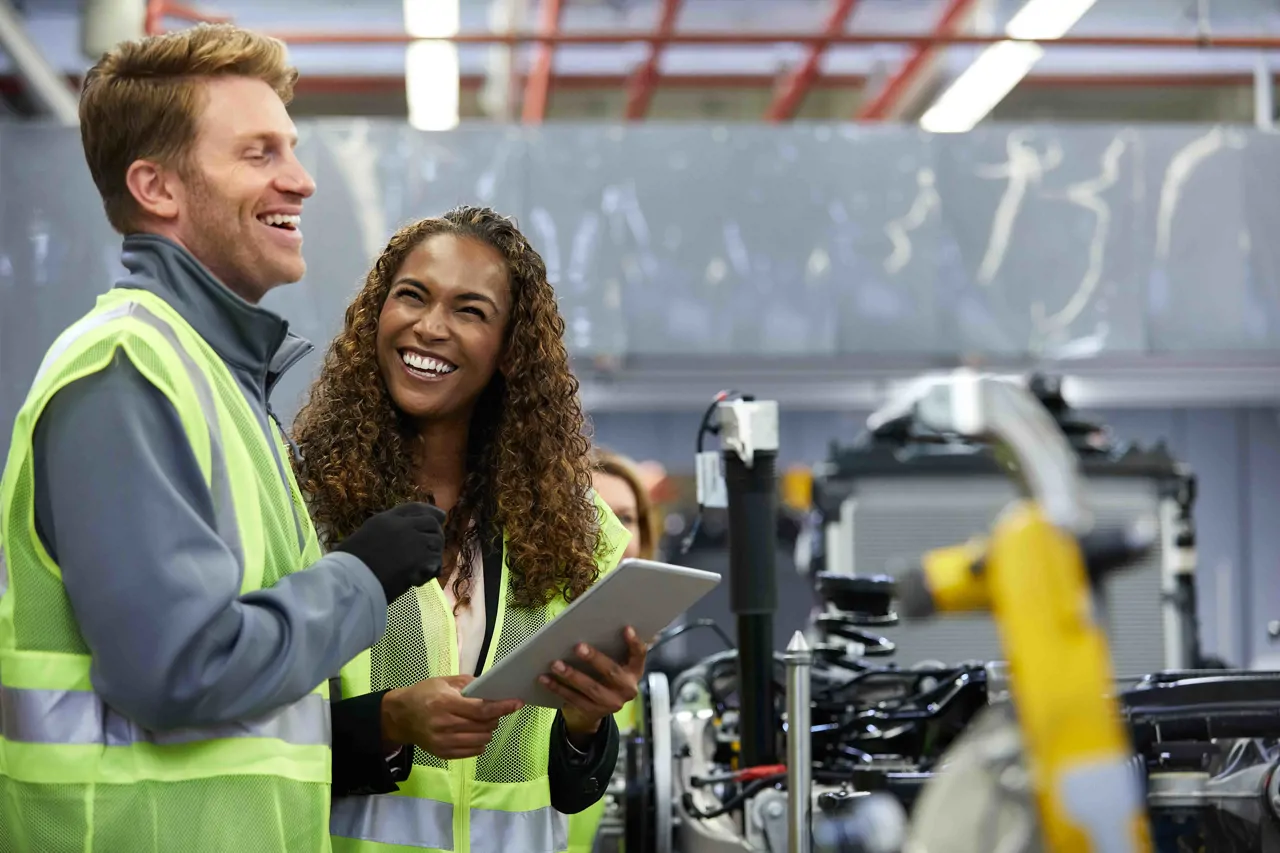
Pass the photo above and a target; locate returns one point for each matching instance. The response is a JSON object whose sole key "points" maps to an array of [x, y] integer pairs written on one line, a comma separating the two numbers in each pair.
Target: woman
{"points": [[450, 384], [618, 484]]}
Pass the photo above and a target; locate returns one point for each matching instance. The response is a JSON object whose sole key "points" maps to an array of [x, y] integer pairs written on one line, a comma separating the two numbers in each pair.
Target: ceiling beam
{"points": [[641, 85], [537, 89], [903, 88], [47, 87], [791, 91]]}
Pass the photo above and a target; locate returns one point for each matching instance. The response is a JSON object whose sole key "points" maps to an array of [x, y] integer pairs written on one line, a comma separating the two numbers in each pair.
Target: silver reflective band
{"points": [[386, 819], [417, 822], [223, 508], [543, 830], [81, 717], [4, 572], [78, 330]]}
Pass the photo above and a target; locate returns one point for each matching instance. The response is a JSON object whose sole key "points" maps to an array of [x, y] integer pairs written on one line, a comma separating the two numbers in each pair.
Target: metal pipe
{"points": [[772, 37], [47, 86], [790, 94], [537, 89], [1264, 94], [641, 85], [900, 84], [749, 437], [799, 746]]}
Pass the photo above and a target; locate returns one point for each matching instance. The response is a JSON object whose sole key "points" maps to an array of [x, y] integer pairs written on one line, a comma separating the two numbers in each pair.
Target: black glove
{"points": [[403, 546]]}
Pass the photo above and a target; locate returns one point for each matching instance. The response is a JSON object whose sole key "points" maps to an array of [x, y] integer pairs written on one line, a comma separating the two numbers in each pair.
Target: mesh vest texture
{"points": [[498, 802]]}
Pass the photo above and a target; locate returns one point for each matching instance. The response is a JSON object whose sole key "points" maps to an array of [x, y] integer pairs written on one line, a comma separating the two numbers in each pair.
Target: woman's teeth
{"points": [[427, 363]]}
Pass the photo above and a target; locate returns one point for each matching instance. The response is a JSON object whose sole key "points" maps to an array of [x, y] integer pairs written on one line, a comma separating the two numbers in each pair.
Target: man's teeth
{"points": [[424, 362], [292, 220]]}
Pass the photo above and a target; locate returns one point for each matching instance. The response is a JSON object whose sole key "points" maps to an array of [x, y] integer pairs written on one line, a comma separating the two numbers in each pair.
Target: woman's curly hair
{"points": [[528, 467]]}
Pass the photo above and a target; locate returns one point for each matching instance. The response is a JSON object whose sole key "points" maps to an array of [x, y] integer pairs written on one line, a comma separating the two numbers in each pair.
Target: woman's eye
{"points": [[476, 311]]}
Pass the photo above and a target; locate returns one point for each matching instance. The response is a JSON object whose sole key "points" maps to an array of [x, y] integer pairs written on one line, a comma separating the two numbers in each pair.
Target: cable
{"points": [[672, 633]]}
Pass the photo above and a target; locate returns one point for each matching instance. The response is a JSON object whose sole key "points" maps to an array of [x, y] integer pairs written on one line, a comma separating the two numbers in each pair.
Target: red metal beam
{"points": [[158, 10], [537, 89], [790, 93], [895, 89], [741, 39], [640, 87]]}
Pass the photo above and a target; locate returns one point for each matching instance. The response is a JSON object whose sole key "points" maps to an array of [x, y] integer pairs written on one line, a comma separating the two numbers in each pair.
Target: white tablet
{"points": [[644, 594]]}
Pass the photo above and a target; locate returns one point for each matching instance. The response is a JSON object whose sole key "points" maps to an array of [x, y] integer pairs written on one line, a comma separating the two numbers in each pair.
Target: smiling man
{"points": [[167, 623]]}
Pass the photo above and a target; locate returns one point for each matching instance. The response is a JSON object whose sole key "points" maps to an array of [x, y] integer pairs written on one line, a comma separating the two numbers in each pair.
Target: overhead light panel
{"points": [[431, 74], [992, 76]]}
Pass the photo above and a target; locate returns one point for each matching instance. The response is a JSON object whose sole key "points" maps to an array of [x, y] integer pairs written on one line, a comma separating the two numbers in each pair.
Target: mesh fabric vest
{"points": [[75, 775], [498, 802]]}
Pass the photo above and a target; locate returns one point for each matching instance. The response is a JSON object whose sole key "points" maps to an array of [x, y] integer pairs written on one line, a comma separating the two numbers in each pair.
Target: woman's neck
{"points": [[441, 462]]}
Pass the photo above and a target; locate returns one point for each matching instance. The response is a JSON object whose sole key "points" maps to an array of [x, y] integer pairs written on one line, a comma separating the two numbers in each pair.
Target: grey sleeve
{"points": [[124, 510]]}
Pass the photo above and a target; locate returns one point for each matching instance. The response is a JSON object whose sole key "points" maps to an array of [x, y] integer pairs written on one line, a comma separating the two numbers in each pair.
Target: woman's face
{"points": [[617, 493], [441, 329]]}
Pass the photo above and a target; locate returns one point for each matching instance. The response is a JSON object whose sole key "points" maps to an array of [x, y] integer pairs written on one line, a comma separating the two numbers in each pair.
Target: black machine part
{"points": [[753, 597]]}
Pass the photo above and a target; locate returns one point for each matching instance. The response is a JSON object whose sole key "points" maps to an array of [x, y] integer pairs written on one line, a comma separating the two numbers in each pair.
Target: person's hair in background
{"points": [[614, 477], [528, 471], [142, 101]]}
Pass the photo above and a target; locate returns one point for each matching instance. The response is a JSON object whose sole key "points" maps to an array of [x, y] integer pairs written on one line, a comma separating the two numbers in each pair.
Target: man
{"points": [[167, 625]]}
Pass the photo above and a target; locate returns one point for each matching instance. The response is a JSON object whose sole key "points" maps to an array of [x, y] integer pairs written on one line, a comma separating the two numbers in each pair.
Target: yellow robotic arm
{"points": [[1032, 575]]}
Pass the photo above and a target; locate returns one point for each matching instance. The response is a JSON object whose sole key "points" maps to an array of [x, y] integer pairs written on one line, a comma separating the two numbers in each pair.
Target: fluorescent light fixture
{"points": [[431, 72], [985, 83]]}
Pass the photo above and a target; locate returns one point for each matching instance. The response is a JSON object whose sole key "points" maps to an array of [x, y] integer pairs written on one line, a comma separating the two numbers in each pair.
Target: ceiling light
{"points": [[431, 72], [992, 76]]}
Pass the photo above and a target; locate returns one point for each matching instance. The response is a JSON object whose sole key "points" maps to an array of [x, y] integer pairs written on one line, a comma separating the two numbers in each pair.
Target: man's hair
{"points": [[142, 100]]}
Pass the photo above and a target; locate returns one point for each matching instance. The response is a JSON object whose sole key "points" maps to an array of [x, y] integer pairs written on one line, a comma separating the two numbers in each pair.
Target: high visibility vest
{"points": [[76, 775], [498, 802]]}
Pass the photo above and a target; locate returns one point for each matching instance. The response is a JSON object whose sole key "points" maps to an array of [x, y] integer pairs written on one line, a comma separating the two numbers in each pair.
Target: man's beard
{"points": [[217, 240]]}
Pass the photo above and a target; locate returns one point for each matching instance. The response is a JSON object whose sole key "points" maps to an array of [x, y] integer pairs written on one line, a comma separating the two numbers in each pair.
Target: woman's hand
{"points": [[434, 715], [590, 698]]}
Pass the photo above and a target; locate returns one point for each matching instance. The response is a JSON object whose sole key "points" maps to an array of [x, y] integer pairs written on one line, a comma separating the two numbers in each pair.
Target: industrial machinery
{"points": [[721, 761]]}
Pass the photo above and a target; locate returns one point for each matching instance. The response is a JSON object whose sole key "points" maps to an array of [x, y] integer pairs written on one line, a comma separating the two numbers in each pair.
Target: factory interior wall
{"points": [[1235, 453]]}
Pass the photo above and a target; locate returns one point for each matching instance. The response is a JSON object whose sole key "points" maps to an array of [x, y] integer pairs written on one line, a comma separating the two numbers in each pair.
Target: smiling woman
{"points": [[450, 383]]}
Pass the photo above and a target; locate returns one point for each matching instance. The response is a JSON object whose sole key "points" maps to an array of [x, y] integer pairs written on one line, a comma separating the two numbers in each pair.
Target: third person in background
{"points": [[618, 483], [450, 382]]}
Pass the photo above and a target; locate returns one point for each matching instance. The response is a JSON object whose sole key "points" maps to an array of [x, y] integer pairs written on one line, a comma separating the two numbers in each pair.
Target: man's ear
{"points": [[154, 188]]}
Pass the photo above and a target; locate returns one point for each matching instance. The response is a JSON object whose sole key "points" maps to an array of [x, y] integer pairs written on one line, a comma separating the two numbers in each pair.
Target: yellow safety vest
{"points": [[75, 775], [498, 802]]}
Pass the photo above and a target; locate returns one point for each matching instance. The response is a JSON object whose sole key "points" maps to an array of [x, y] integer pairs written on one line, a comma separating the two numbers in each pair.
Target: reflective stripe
{"points": [[419, 822], [220, 485], [543, 830], [4, 572], [81, 717], [386, 819], [78, 330], [224, 511]]}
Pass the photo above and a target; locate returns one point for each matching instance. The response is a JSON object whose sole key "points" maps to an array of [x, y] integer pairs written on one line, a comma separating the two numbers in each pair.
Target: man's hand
{"points": [[591, 698], [434, 715]]}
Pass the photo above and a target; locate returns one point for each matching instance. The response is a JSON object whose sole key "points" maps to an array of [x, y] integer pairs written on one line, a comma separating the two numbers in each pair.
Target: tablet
{"points": [[644, 594]]}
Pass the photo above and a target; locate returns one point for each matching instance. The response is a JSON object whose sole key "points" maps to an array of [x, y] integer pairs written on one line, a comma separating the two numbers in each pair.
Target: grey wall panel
{"points": [[1203, 186], [1039, 222]]}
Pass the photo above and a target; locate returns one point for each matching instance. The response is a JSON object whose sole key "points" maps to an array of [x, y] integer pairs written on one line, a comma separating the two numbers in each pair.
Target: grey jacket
{"points": [[123, 509]]}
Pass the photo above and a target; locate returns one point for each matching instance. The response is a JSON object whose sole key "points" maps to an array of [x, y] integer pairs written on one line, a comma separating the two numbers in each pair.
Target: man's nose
{"points": [[295, 179]]}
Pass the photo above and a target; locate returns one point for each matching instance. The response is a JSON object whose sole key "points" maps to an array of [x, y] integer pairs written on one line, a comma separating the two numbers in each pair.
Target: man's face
{"points": [[240, 193]]}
